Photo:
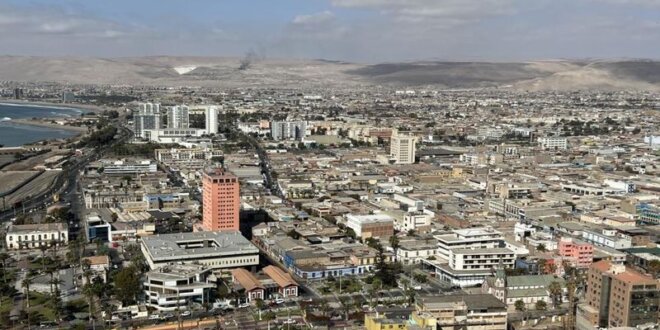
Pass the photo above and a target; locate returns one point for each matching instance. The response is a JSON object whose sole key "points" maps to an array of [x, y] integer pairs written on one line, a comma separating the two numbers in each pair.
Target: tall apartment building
{"points": [[212, 120], [580, 254], [402, 149], [147, 118], [177, 117], [288, 130], [553, 142], [222, 201], [618, 297]]}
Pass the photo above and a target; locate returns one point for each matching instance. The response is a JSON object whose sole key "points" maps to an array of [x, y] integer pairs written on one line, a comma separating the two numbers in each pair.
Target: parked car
{"points": [[279, 301], [154, 317], [185, 313]]}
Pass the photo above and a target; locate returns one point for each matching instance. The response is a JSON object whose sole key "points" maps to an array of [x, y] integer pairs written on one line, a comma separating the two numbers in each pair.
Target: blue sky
{"points": [[352, 30]]}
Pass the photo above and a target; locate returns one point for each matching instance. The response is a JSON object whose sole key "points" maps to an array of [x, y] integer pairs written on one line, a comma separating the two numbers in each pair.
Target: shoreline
{"points": [[38, 123], [62, 106]]}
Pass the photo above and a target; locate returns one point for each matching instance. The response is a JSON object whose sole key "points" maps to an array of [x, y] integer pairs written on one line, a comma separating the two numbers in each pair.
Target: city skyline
{"points": [[352, 30]]}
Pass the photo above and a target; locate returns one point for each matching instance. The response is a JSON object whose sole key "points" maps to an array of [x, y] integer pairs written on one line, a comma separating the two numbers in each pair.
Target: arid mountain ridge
{"points": [[167, 71]]}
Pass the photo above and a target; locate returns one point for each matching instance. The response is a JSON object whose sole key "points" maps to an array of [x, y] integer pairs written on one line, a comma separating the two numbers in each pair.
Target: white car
{"points": [[289, 321], [244, 305], [185, 313], [279, 301], [154, 317]]}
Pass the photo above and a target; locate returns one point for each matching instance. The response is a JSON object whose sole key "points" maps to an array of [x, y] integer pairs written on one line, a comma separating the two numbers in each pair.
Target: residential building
{"points": [[618, 297], [248, 283], [467, 312], [211, 120], [402, 149], [148, 117], [177, 117], [553, 142], [99, 266], [372, 225], [413, 251], [580, 254], [175, 287], [288, 130], [221, 201], [287, 287], [216, 250], [32, 236], [386, 320]]}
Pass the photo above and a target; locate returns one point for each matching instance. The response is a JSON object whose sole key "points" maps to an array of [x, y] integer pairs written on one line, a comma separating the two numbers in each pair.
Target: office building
{"points": [[176, 287], [32, 236], [402, 149], [128, 167], [148, 117], [221, 201], [177, 117], [288, 130], [97, 229], [216, 250], [211, 120], [618, 297]]}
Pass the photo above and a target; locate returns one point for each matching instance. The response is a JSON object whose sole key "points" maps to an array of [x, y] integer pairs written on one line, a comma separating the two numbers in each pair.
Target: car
{"points": [[167, 316], [244, 305], [186, 313], [279, 301], [154, 317], [289, 321]]}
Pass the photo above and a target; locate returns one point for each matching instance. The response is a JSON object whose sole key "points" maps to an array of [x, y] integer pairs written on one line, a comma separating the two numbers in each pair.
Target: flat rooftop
{"points": [[182, 246]]}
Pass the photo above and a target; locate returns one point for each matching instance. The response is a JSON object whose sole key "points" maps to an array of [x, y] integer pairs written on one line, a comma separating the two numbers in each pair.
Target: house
{"points": [[99, 266], [287, 286], [528, 288], [248, 282]]}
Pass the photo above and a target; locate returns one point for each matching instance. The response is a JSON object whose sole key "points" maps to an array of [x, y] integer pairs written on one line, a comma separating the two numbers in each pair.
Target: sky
{"points": [[366, 31]]}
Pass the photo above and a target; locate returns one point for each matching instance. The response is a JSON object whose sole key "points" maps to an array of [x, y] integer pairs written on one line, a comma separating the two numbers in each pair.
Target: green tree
{"points": [[394, 242], [519, 305], [541, 248], [556, 292], [114, 217], [127, 284], [541, 305], [654, 268]]}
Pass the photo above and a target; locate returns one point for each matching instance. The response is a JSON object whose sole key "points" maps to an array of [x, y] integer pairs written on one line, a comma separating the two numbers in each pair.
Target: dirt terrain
{"points": [[323, 74]]}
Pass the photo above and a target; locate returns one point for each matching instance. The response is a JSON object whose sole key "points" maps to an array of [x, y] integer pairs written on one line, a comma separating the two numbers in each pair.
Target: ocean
{"points": [[12, 134]]}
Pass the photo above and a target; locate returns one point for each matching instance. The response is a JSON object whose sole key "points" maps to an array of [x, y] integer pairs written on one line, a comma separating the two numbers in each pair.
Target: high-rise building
{"points": [[402, 149], [222, 201], [147, 118], [288, 130], [618, 297], [177, 117], [212, 120]]}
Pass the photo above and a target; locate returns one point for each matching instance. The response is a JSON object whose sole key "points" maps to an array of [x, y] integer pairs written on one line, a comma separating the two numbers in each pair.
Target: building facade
{"points": [[221, 201], [174, 287], [402, 149], [36, 235], [177, 117]]}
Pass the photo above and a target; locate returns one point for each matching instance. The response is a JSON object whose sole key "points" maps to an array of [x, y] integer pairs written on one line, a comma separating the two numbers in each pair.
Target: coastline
{"points": [[39, 123], [67, 106]]}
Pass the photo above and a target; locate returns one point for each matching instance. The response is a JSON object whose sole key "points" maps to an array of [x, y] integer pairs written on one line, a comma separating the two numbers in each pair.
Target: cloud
{"points": [[318, 18]]}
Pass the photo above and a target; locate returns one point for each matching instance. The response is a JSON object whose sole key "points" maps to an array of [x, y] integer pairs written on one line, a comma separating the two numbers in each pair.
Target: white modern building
{"points": [[128, 167], [212, 120], [553, 142], [215, 250], [148, 117], [606, 237], [174, 286], [35, 235], [288, 130], [471, 238], [177, 117], [172, 135], [402, 149]]}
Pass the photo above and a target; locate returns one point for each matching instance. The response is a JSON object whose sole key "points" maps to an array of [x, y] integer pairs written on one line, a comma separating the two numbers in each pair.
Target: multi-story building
{"points": [[174, 287], [147, 118], [606, 237], [467, 312], [177, 117], [35, 235], [97, 229], [580, 254], [216, 250], [478, 238], [387, 320], [372, 225], [221, 201], [211, 120], [415, 250], [648, 213], [128, 167], [402, 149], [288, 130], [553, 142], [618, 297], [527, 209]]}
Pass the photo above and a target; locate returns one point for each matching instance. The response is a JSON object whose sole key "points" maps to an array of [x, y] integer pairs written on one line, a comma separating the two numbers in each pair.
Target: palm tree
{"points": [[43, 249], [555, 291], [26, 285], [3, 259]]}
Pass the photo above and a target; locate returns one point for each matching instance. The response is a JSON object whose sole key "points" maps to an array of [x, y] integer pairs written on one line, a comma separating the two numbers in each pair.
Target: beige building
{"points": [[402, 149], [36, 235], [465, 312]]}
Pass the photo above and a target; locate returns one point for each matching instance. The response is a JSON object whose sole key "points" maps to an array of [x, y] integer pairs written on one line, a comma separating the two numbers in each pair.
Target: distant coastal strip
{"points": [[57, 106], [39, 123]]}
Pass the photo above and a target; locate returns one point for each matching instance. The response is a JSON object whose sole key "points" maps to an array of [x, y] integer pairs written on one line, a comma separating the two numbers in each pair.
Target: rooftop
{"points": [[197, 245]]}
